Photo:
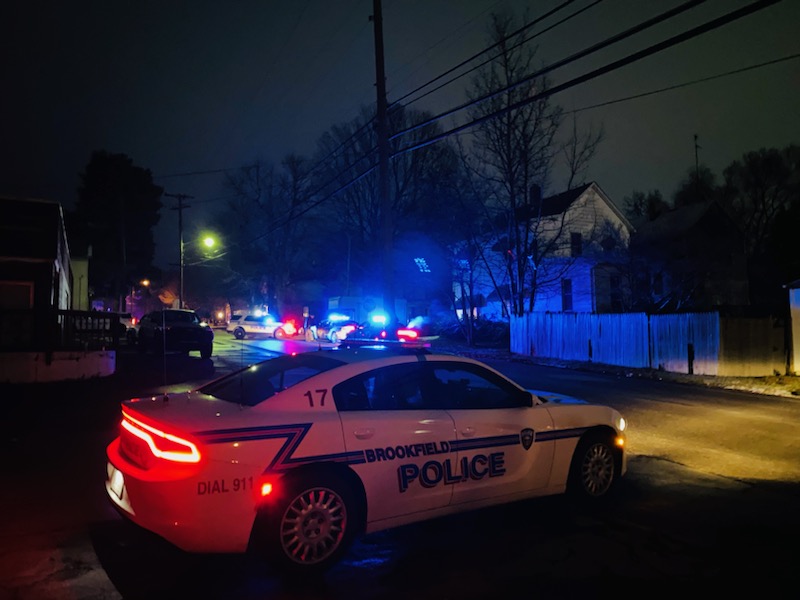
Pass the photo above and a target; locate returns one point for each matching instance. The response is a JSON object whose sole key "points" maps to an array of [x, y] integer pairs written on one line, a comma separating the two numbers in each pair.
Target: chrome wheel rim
{"points": [[597, 470], [313, 526]]}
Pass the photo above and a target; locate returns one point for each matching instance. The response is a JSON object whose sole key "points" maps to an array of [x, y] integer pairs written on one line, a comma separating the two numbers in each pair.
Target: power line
{"points": [[430, 48], [563, 62], [631, 58], [484, 51], [684, 84]]}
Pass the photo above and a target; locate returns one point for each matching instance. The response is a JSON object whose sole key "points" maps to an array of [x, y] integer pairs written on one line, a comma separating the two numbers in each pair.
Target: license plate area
{"points": [[116, 481]]}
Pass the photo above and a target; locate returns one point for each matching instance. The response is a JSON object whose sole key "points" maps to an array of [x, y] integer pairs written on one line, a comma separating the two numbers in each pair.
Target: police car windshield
{"points": [[256, 383]]}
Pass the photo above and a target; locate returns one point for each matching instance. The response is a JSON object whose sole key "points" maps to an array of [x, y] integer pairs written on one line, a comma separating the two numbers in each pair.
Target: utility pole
{"points": [[382, 132], [179, 208]]}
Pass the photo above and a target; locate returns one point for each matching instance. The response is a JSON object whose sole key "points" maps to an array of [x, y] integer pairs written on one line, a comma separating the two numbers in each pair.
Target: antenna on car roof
{"points": [[164, 349]]}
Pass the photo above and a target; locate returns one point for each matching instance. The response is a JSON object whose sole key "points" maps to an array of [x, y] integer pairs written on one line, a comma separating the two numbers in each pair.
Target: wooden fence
{"points": [[698, 343]]}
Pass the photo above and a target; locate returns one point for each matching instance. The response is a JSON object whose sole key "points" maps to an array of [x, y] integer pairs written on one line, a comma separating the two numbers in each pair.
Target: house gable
{"points": [[583, 238]]}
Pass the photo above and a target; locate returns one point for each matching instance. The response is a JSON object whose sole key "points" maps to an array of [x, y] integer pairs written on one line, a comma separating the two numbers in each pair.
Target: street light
{"points": [[209, 242]]}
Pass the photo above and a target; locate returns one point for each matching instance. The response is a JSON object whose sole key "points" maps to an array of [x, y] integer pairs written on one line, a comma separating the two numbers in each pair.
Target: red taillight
{"points": [[161, 444], [289, 328], [134, 320], [407, 334]]}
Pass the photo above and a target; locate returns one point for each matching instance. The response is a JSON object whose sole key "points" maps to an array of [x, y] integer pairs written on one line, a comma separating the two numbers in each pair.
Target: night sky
{"points": [[187, 89]]}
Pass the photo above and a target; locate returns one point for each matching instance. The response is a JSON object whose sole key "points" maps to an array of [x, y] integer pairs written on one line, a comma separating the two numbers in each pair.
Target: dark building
{"points": [[690, 259]]}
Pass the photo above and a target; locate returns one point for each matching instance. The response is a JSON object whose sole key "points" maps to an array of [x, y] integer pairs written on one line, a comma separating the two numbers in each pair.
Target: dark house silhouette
{"points": [[690, 259]]}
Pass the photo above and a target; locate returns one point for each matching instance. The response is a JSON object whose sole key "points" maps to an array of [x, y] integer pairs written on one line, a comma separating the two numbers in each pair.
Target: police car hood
{"points": [[188, 410], [555, 398]]}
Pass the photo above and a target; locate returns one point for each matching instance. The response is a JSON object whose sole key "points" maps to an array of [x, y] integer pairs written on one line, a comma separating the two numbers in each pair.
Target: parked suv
{"points": [[175, 329]]}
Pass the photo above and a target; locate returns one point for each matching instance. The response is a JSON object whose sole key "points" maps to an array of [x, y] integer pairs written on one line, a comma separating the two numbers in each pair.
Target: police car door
{"points": [[403, 445], [496, 425]]}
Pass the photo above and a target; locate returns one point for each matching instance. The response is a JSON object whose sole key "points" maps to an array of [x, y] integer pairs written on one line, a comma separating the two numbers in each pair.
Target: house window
{"points": [[566, 294], [576, 244], [422, 265]]}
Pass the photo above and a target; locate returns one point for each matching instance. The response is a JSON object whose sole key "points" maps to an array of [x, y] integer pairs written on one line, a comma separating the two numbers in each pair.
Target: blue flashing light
{"points": [[338, 317]]}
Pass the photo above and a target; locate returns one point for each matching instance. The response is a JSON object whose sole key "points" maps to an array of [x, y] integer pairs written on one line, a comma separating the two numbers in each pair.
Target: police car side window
{"points": [[468, 387], [351, 395], [396, 387]]}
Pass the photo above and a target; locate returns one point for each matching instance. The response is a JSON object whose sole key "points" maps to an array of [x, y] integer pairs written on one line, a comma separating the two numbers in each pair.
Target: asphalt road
{"points": [[711, 498]]}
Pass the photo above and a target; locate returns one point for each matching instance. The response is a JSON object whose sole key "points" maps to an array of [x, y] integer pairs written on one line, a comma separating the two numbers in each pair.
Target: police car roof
{"points": [[360, 350]]}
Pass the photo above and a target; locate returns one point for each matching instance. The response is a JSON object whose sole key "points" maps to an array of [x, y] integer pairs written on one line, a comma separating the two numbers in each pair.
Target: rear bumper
{"points": [[176, 510]]}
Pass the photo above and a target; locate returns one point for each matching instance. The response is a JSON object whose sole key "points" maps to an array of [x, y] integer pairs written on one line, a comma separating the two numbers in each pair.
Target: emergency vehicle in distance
{"points": [[293, 457]]}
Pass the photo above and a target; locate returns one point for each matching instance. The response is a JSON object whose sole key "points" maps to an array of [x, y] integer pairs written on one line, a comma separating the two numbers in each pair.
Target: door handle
{"points": [[468, 432], [364, 434]]}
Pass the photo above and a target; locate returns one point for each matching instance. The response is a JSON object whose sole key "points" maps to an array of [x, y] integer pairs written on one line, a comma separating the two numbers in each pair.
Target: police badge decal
{"points": [[526, 437]]}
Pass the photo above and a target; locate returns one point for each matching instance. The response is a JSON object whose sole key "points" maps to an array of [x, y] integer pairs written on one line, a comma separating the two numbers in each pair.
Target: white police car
{"points": [[259, 326], [295, 456]]}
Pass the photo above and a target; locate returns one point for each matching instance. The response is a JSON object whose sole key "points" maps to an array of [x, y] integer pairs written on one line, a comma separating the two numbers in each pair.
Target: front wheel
{"points": [[311, 526], [593, 470], [238, 333]]}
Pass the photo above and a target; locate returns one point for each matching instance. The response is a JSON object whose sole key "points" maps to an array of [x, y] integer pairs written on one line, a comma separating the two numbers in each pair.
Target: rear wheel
{"points": [[593, 470], [311, 526], [279, 334], [205, 351]]}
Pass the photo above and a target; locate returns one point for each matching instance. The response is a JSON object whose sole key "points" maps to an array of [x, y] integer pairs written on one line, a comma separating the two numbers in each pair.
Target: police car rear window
{"points": [[257, 383]]}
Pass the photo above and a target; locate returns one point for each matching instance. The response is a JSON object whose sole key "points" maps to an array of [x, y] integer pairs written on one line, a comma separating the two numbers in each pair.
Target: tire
{"points": [[311, 526], [279, 334], [239, 333], [593, 471], [205, 351]]}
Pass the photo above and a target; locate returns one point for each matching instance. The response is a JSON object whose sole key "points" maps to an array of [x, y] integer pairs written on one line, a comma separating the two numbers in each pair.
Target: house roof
{"points": [[559, 203], [676, 222], [555, 205]]}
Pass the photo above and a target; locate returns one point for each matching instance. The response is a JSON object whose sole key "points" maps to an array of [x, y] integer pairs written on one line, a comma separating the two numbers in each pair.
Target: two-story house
{"points": [[581, 260]]}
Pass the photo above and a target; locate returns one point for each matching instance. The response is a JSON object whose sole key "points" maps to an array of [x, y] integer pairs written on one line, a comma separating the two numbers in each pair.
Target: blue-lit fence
{"points": [[698, 343]]}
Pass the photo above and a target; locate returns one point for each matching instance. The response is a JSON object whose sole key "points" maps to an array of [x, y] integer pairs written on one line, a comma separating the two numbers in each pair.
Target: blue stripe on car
{"points": [[294, 435]]}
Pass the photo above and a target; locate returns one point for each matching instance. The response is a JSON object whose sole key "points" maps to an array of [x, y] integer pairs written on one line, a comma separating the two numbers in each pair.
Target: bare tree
{"points": [[758, 188], [348, 179], [516, 152], [268, 216], [640, 207]]}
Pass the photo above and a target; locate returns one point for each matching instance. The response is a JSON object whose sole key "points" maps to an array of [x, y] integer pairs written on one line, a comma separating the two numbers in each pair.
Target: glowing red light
{"points": [[162, 445]]}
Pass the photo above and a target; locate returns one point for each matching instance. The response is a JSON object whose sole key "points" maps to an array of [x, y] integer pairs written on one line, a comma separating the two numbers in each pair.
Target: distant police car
{"points": [[261, 326], [295, 456]]}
